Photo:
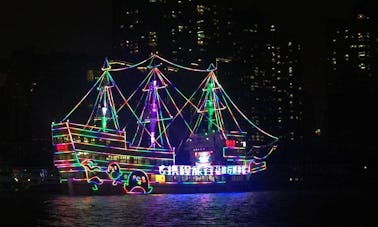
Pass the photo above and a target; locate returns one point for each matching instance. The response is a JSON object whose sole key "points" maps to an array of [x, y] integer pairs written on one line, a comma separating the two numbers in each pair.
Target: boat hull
{"points": [[91, 161]]}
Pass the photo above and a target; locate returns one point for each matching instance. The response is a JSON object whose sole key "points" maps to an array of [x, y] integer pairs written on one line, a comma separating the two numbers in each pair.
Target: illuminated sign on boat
{"points": [[186, 170], [203, 157]]}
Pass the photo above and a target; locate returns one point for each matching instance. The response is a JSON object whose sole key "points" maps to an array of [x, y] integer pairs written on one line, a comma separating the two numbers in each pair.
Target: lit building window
{"points": [[201, 9], [173, 14], [361, 16], [361, 54], [152, 36]]}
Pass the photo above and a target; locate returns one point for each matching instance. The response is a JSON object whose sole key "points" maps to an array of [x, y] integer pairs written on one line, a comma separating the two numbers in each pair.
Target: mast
{"points": [[211, 106], [152, 129], [153, 110], [105, 104]]}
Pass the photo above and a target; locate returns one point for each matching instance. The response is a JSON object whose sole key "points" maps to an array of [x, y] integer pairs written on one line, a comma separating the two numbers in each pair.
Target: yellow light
{"points": [[160, 178]]}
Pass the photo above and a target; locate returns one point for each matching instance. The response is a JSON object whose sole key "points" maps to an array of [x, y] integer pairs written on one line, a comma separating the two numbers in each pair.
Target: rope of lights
{"points": [[209, 69], [85, 96]]}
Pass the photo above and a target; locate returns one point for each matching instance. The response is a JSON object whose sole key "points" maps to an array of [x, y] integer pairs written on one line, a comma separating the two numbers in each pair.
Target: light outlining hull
{"points": [[96, 162], [100, 159]]}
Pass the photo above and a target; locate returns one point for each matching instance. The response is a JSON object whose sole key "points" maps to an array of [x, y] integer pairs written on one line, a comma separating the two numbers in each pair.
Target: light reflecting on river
{"points": [[260, 208]]}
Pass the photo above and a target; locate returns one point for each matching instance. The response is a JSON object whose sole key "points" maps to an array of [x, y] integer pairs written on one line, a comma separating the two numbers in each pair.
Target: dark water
{"points": [[260, 208]]}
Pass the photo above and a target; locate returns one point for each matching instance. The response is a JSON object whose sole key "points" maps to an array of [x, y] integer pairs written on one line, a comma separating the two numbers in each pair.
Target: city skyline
{"points": [[211, 112], [85, 27], [261, 71]]}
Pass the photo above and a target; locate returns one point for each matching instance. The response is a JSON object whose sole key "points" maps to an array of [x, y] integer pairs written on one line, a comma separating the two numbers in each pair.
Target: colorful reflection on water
{"points": [[260, 208]]}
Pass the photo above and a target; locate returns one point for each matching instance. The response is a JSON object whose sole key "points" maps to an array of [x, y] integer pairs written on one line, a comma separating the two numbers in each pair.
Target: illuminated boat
{"points": [[166, 152]]}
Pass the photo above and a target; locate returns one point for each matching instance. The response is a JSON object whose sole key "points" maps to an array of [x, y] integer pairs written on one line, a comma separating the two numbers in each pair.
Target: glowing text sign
{"points": [[206, 170]]}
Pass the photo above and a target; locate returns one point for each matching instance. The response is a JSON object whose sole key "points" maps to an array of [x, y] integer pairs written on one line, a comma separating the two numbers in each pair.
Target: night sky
{"points": [[85, 27], [63, 26]]}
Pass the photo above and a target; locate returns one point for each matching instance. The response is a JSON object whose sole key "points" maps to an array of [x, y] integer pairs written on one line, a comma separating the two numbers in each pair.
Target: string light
{"points": [[101, 154]]}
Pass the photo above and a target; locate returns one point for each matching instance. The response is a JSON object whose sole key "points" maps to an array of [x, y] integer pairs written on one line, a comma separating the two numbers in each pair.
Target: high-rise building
{"points": [[183, 31], [352, 85], [272, 80], [261, 71]]}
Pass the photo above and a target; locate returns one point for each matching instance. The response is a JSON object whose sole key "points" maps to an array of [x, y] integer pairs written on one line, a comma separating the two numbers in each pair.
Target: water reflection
{"points": [[158, 210], [260, 208]]}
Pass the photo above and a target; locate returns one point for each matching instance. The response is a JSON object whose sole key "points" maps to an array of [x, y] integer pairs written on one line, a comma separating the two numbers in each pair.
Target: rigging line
{"points": [[159, 97], [141, 136], [98, 99], [110, 100], [179, 111], [160, 124], [140, 100], [264, 146], [231, 112], [85, 96], [210, 69], [134, 111], [158, 74], [109, 67], [198, 119], [219, 117], [112, 109], [142, 122], [162, 104], [150, 74], [159, 136], [182, 95], [165, 106], [132, 94], [113, 106], [138, 118], [245, 117], [185, 133], [164, 126], [202, 99], [217, 122], [135, 134], [198, 107], [197, 124], [264, 157], [144, 128]]}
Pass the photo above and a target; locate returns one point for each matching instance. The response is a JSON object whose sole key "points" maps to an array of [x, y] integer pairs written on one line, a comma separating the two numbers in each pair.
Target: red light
{"points": [[61, 147], [230, 143]]}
